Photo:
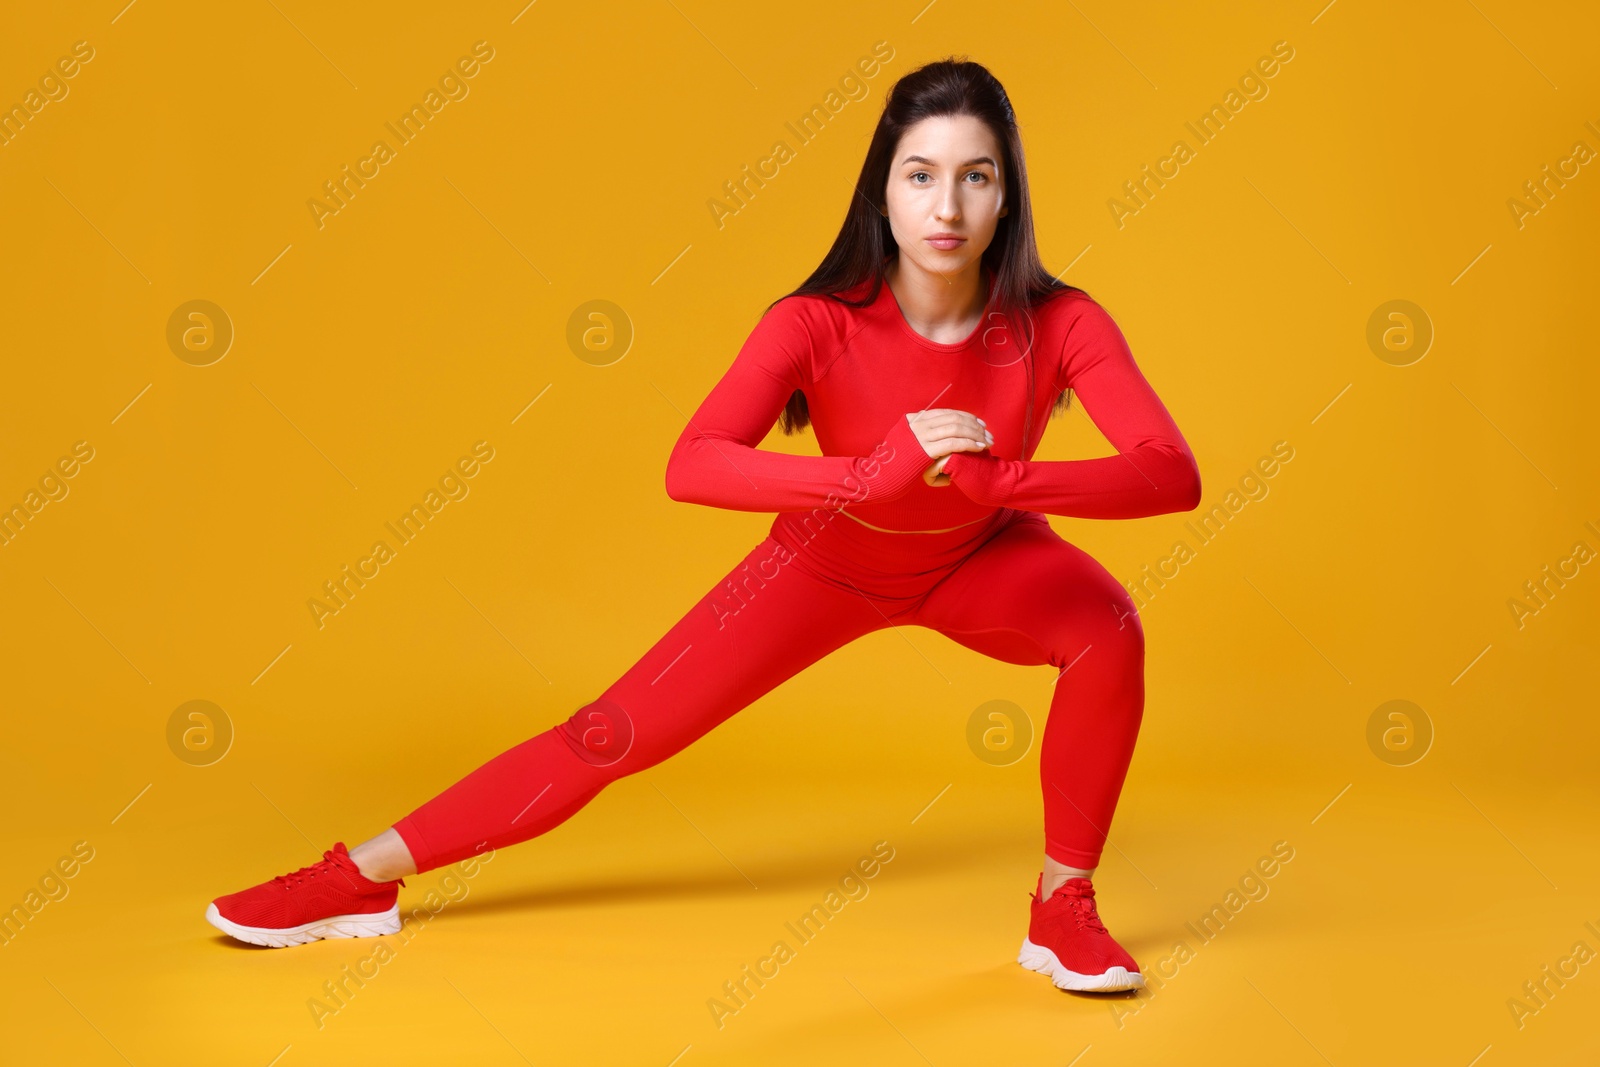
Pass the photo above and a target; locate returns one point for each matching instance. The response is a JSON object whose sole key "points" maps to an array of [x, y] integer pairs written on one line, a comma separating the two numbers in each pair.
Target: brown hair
{"points": [[862, 248]]}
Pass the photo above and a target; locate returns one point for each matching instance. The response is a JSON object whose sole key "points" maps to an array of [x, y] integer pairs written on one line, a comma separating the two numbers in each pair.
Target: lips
{"points": [[946, 241]]}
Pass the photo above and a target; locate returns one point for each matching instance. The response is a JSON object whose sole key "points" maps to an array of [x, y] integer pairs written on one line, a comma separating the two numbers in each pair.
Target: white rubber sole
{"points": [[374, 925], [1041, 959]]}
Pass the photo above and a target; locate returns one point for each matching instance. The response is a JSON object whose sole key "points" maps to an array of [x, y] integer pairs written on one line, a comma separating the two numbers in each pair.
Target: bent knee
{"points": [[1121, 608], [1110, 632]]}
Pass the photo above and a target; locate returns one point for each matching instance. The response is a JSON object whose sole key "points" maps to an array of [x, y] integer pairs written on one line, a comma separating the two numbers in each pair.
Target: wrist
{"points": [[976, 474], [895, 465]]}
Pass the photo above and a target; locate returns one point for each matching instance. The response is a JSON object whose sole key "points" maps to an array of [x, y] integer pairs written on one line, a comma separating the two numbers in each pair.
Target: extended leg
{"points": [[764, 622]]}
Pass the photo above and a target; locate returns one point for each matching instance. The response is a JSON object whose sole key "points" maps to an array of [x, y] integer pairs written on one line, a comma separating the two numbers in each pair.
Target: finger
{"points": [[948, 416], [967, 432], [945, 445], [953, 426], [938, 438], [960, 428], [943, 412]]}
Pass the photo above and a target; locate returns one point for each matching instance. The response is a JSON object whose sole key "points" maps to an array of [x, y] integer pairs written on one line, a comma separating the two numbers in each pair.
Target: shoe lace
{"points": [[1080, 902], [1083, 910], [328, 865], [294, 878]]}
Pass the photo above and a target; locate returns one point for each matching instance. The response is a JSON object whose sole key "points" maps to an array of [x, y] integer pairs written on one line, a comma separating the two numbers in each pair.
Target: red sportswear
{"points": [[994, 575], [864, 369]]}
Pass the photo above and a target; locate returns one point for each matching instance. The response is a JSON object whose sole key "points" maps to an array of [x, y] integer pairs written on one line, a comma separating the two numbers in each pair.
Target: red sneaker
{"points": [[330, 898], [1067, 941]]}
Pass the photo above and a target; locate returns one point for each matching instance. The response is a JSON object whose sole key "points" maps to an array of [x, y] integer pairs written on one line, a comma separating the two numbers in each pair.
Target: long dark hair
{"points": [[861, 251]]}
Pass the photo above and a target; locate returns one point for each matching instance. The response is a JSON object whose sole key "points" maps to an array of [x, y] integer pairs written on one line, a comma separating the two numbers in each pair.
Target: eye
{"points": [[977, 174], [919, 174]]}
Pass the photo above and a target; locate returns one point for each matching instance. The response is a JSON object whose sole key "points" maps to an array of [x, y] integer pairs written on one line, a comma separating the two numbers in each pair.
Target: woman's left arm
{"points": [[1154, 471]]}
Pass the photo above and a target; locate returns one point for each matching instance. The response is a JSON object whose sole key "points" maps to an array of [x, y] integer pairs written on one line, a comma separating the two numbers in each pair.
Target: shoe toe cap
{"points": [[250, 907]]}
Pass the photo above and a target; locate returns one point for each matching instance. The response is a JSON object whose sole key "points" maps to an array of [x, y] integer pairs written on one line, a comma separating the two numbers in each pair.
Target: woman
{"points": [[932, 294]]}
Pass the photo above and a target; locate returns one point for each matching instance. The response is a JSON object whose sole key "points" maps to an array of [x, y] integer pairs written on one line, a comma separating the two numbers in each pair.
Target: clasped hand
{"points": [[943, 431]]}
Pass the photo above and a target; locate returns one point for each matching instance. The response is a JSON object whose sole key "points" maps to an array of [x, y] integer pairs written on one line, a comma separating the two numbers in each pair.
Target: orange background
{"points": [[433, 311]]}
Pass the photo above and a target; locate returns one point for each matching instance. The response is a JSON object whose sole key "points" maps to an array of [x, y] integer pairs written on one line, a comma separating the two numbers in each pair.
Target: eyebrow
{"points": [[931, 163]]}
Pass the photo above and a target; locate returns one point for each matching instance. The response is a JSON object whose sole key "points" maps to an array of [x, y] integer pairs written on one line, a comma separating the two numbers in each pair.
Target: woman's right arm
{"points": [[715, 461]]}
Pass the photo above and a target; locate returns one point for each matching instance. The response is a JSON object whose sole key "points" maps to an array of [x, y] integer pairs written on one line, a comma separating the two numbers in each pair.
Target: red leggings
{"points": [[1008, 586]]}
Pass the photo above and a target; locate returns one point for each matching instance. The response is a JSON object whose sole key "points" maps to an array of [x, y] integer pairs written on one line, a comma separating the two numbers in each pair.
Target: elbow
{"points": [[692, 476], [676, 485], [1189, 496], [677, 480], [1179, 479], [687, 479]]}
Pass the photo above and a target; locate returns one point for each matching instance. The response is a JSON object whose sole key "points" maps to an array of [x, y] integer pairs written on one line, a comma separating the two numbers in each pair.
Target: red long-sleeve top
{"points": [[863, 370]]}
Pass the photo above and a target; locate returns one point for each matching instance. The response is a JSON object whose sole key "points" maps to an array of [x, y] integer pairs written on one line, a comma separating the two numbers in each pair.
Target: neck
{"points": [[938, 304]]}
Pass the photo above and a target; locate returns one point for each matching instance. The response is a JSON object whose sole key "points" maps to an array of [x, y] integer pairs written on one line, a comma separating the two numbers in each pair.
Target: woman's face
{"points": [[945, 179]]}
